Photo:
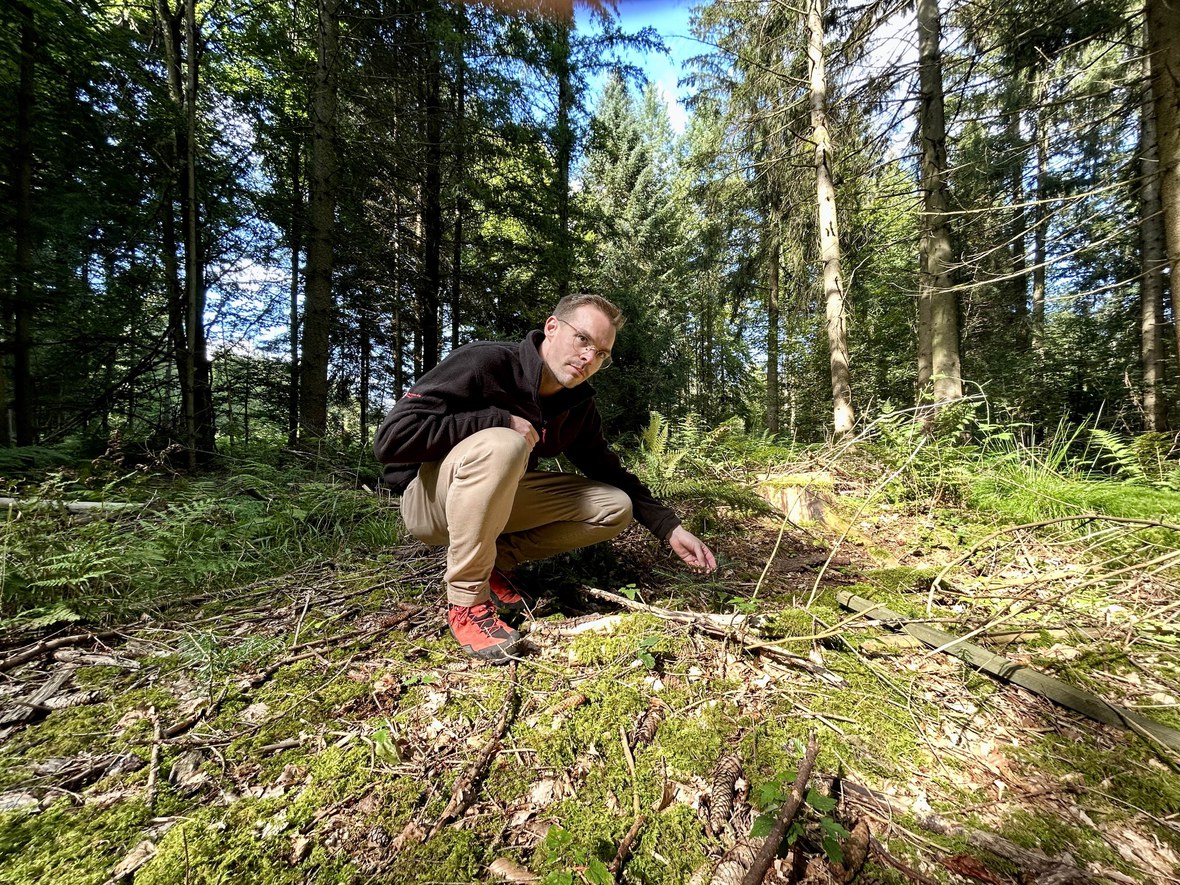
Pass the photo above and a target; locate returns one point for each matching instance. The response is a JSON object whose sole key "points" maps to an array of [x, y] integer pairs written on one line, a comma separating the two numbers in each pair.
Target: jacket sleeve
{"points": [[594, 457], [446, 405]]}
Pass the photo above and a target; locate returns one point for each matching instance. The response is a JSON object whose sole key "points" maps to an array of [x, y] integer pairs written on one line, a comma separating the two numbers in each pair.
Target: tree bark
{"points": [[21, 308], [460, 179], [773, 246], [201, 421], [296, 241], [1017, 237], [829, 230], [1163, 43], [180, 40], [934, 293], [430, 284], [1040, 211], [563, 139], [318, 304], [1153, 259]]}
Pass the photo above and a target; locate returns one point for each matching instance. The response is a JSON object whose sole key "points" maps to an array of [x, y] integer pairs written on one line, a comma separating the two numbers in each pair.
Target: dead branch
{"points": [[37, 702], [467, 787], [47, 645], [625, 846], [69, 506], [95, 659], [721, 626], [154, 764], [765, 854]]}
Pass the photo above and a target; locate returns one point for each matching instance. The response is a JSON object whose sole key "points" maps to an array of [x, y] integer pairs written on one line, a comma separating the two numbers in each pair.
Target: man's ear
{"points": [[551, 326]]}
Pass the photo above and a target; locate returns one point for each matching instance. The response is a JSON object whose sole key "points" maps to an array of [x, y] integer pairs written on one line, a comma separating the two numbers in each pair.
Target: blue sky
{"points": [[670, 20]]}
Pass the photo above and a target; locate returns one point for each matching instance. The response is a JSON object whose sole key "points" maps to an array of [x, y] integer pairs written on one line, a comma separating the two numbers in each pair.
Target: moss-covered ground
{"points": [[315, 726]]}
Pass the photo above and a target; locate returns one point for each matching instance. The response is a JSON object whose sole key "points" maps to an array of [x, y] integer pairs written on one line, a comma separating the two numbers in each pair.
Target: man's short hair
{"points": [[567, 305]]}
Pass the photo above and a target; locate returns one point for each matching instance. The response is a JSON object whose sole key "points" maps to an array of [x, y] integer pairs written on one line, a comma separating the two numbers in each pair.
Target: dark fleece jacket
{"points": [[480, 385]]}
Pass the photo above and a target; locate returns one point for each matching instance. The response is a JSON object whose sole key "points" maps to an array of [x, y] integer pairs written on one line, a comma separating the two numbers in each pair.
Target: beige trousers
{"points": [[483, 503]]}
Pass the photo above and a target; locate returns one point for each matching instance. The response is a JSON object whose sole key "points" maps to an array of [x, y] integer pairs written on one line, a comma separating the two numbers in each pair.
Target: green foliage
{"points": [[212, 533], [700, 468], [774, 792]]}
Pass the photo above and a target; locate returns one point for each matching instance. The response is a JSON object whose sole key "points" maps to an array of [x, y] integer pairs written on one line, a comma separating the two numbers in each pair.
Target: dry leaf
{"points": [[507, 870]]}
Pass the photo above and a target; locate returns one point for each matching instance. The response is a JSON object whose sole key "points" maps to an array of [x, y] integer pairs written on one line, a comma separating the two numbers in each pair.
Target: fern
{"points": [[1118, 454]]}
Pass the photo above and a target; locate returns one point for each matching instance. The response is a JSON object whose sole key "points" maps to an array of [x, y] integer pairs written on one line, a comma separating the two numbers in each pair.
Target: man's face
{"points": [[576, 347]]}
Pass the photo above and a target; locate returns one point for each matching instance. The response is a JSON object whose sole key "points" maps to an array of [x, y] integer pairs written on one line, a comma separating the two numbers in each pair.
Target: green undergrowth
{"points": [[192, 534]]}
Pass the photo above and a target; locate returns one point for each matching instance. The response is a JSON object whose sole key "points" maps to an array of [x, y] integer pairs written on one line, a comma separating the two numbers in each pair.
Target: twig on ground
{"points": [[47, 645], [468, 784], [154, 764], [765, 854], [625, 846]]}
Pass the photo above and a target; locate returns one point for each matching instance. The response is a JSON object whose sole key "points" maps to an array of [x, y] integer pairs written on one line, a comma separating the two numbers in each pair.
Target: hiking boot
{"points": [[506, 596], [480, 633]]}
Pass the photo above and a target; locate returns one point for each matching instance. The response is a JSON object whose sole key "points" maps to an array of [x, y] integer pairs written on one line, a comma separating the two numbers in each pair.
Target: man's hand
{"points": [[525, 429], [692, 550]]}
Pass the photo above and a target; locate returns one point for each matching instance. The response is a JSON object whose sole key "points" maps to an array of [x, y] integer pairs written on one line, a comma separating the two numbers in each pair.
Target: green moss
{"points": [[671, 846], [67, 845], [692, 743], [634, 634], [1055, 836], [610, 703], [787, 624], [451, 856], [1131, 772]]}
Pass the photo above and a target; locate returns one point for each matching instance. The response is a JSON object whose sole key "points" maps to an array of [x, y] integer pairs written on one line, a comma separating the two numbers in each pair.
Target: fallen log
{"points": [[1038, 683], [68, 506]]}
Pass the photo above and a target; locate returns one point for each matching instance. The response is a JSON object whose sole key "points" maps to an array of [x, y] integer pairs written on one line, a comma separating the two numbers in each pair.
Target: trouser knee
{"points": [[498, 450]]}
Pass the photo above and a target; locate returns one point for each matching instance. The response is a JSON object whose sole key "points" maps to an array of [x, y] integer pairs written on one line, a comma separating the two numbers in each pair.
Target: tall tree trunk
{"points": [[773, 248], [201, 420], [563, 138], [296, 237], [1040, 210], [366, 358], [829, 230], [318, 304], [21, 309], [460, 179], [181, 45], [1163, 43], [1153, 260], [430, 284], [1017, 236], [175, 182], [934, 292]]}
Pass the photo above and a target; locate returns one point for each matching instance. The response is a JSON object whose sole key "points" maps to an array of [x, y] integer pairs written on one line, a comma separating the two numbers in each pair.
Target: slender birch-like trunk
{"points": [[829, 230], [1153, 259]]}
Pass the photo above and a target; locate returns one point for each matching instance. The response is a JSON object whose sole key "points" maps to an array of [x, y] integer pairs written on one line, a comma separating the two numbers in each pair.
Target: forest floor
{"points": [[322, 726]]}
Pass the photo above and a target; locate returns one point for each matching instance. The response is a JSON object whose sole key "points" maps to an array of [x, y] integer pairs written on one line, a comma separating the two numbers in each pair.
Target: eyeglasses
{"points": [[584, 343]]}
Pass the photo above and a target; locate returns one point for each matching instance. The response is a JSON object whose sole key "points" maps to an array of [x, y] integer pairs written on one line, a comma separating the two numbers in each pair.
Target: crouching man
{"points": [[462, 448]]}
